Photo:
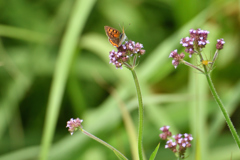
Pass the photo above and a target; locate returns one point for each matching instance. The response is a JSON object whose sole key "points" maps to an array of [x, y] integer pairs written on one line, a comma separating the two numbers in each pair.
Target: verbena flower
{"points": [[177, 58], [220, 43], [196, 41], [166, 133], [125, 52], [74, 125], [171, 145], [176, 143], [188, 43], [194, 45]]}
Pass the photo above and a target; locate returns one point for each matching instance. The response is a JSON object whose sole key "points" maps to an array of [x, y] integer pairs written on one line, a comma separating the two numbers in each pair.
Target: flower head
{"points": [[200, 37], [196, 41], [220, 43], [188, 43], [194, 44], [166, 133], [171, 145], [177, 58], [178, 143], [74, 125], [125, 52]]}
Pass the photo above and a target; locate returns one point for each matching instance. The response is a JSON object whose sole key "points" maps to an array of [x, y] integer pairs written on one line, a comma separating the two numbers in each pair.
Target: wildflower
{"points": [[200, 37], [177, 58], [188, 43], [220, 43], [166, 133], [177, 143], [194, 44], [171, 145], [196, 41], [125, 52], [74, 125]]}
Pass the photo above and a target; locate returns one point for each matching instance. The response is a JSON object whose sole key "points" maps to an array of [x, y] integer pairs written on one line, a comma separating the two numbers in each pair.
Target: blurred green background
{"points": [[55, 66]]}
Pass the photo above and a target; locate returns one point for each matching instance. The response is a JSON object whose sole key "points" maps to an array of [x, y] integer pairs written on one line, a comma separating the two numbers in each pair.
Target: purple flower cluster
{"points": [[74, 125], [220, 43], [196, 41], [181, 143], [176, 57], [166, 133], [194, 44], [188, 43], [125, 51]]}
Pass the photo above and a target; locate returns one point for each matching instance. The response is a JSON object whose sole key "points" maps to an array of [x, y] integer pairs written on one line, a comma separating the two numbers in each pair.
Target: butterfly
{"points": [[115, 37]]}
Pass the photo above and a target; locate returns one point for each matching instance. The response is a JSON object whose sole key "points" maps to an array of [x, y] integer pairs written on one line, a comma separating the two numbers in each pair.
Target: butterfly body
{"points": [[115, 37]]}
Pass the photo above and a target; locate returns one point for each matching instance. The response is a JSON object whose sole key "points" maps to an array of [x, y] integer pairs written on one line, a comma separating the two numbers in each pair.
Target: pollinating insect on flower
{"points": [[127, 53]]}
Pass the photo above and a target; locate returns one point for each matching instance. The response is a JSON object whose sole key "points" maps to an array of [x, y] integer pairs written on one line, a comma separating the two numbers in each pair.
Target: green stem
{"points": [[223, 109], [140, 110], [118, 153], [191, 65], [214, 58]]}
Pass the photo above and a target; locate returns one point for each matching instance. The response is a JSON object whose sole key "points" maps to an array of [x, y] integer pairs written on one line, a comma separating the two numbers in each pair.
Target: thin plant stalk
{"points": [[219, 102], [223, 109], [127, 55], [118, 153], [140, 110], [191, 65]]}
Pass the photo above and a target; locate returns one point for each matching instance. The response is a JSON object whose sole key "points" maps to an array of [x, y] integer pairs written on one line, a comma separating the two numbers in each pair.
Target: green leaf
{"points": [[153, 155]]}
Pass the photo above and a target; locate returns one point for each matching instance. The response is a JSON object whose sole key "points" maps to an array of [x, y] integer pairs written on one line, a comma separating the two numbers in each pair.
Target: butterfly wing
{"points": [[115, 37], [112, 33], [114, 43]]}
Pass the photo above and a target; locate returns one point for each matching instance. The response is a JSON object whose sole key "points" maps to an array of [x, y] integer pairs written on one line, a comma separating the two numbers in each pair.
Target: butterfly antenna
{"points": [[120, 25], [123, 27], [127, 26]]}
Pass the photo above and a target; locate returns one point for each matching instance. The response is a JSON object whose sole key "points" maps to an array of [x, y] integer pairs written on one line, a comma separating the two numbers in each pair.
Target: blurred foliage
{"points": [[43, 40]]}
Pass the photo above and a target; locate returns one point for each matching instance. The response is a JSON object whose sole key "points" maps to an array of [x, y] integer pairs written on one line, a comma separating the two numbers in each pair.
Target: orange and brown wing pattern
{"points": [[115, 43], [115, 37], [112, 33]]}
